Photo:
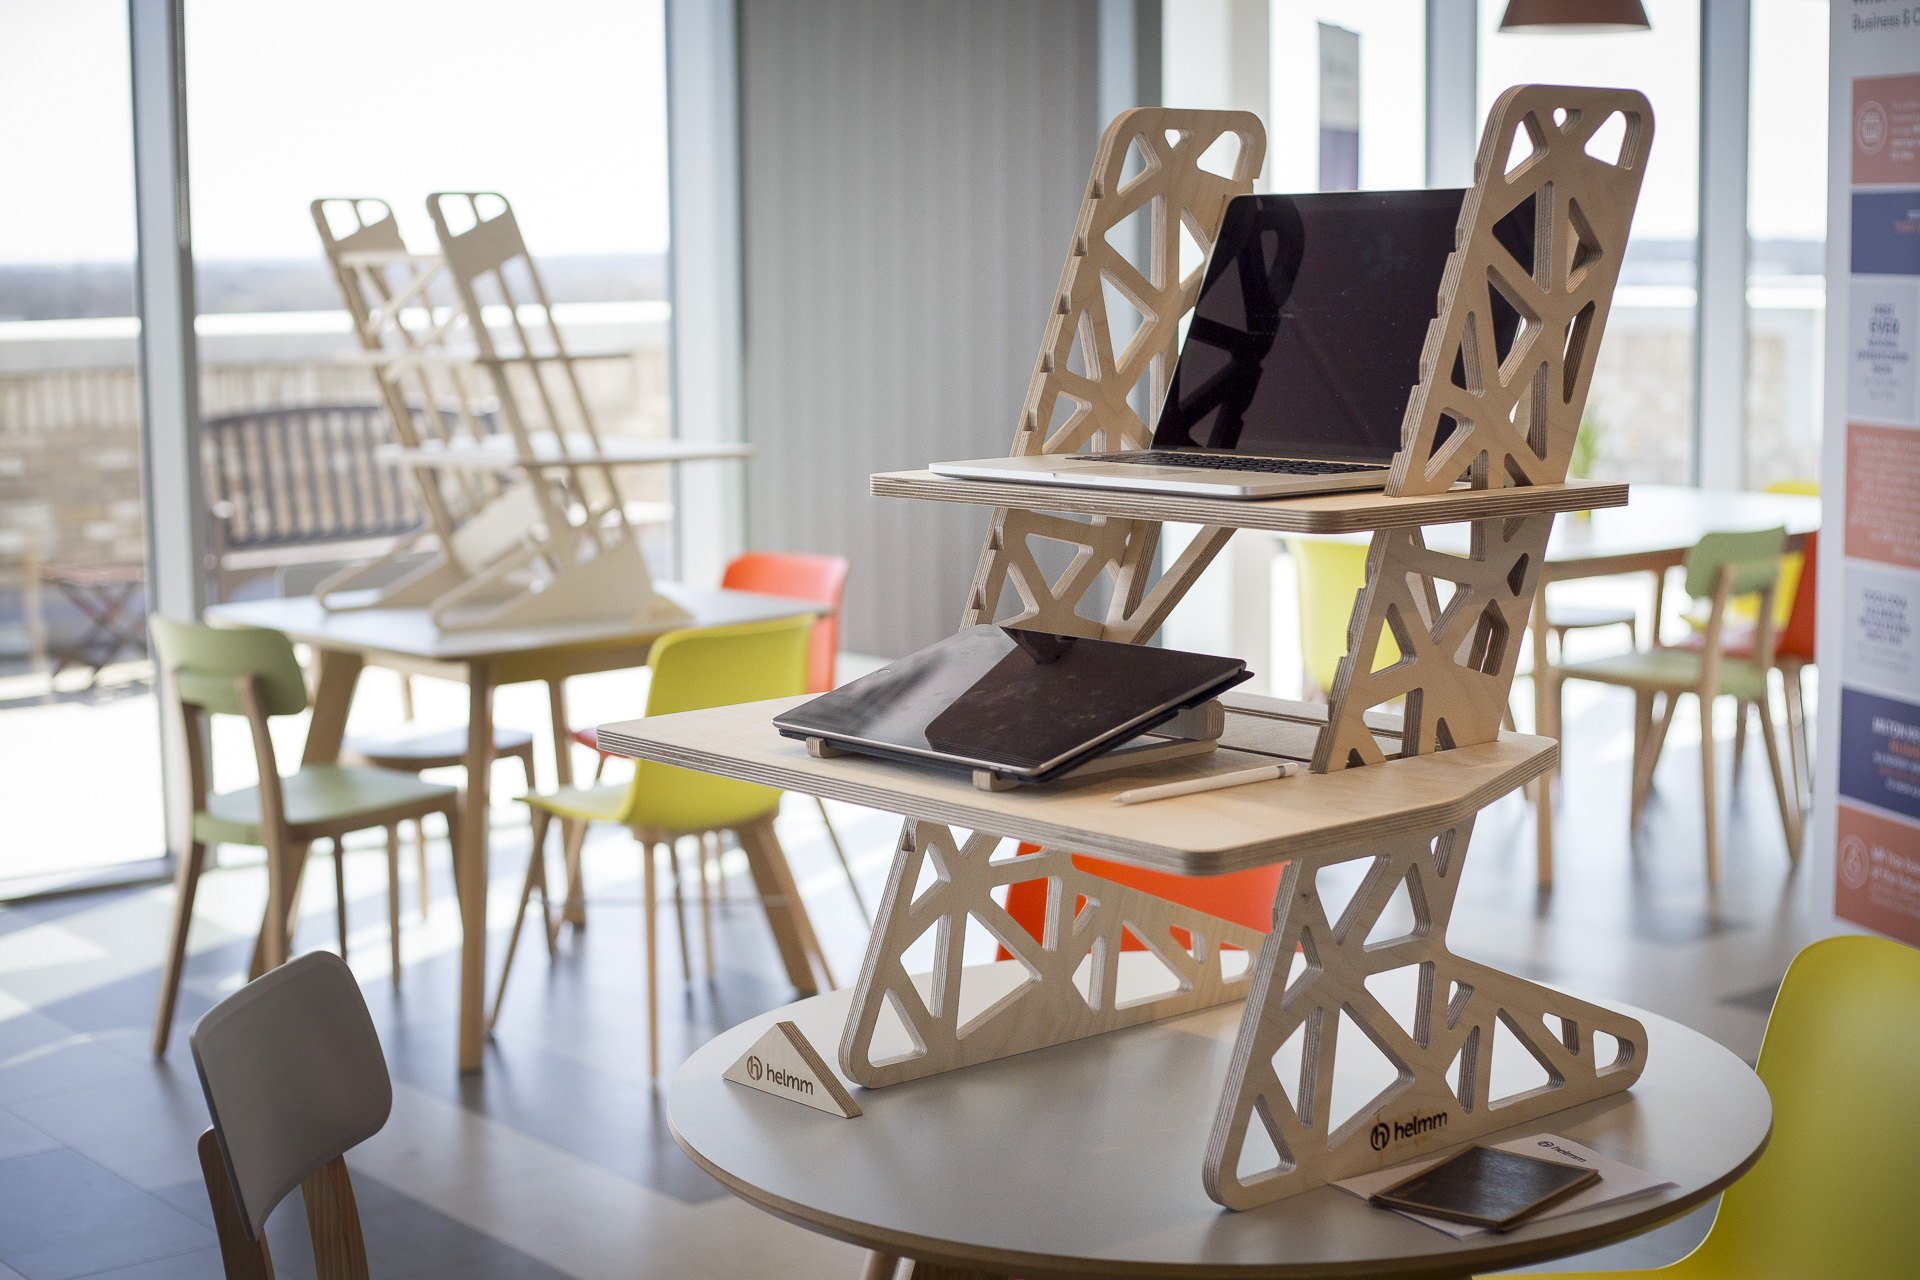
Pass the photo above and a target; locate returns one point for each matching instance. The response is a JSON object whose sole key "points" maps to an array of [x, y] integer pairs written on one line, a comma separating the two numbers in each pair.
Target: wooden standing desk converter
{"points": [[406, 640]]}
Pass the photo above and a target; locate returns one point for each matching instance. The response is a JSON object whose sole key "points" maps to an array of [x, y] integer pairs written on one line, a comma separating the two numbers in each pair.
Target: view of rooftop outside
{"points": [[573, 133]]}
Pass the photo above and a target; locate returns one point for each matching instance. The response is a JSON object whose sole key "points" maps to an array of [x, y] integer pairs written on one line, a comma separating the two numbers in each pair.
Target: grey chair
{"points": [[294, 1077]]}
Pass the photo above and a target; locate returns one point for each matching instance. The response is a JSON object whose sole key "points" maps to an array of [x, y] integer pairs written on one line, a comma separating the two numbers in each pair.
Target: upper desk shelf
{"points": [[1317, 513], [1219, 831], [548, 453]]}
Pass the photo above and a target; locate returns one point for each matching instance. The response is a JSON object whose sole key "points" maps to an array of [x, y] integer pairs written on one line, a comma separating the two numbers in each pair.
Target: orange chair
{"points": [[803, 576], [1241, 897]]}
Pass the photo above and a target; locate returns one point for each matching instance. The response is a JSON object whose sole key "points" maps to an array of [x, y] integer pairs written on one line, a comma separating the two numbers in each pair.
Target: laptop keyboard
{"points": [[1230, 462]]}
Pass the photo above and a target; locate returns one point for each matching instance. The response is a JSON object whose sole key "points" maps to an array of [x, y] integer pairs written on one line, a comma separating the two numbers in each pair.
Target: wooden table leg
{"points": [[1545, 703], [470, 855], [574, 912], [332, 699], [780, 896]]}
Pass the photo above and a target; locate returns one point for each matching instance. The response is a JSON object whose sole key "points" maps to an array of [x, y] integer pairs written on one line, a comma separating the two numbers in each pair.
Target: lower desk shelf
{"points": [[1207, 834]]}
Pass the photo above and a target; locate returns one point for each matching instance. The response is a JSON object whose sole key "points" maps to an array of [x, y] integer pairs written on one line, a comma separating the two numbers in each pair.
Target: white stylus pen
{"points": [[1238, 778]]}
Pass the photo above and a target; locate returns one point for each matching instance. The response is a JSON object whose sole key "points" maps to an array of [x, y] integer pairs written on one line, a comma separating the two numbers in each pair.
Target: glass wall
{"points": [[77, 713], [1787, 225], [1640, 411], [1393, 109]]}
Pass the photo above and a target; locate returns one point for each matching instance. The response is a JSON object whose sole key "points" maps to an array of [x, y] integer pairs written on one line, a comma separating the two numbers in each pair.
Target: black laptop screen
{"points": [[1306, 338]]}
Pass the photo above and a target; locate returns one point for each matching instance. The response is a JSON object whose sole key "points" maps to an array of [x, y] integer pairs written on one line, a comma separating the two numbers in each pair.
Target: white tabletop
{"points": [[411, 631], [1084, 1158]]}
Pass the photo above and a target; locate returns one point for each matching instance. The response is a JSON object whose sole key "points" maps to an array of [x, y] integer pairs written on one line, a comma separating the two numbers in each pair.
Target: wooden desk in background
{"points": [[406, 640]]}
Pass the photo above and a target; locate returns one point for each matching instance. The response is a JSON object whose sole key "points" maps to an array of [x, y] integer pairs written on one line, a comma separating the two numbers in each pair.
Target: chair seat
{"points": [[1672, 669], [590, 804], [415, 749], [1574, 617], [320, 794]]}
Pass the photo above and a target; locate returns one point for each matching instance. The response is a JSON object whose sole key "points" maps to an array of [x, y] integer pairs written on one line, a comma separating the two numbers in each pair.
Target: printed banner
{"points": [[1883, 494], [1886, 129], [1880, 751], [1881, 610], [1881, 356], [1876, 873], [1886, 233]]}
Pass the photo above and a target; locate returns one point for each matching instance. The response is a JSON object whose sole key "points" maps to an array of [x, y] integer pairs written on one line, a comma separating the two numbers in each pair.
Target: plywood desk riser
{"points": [[406, 640], [1052, 1163]]}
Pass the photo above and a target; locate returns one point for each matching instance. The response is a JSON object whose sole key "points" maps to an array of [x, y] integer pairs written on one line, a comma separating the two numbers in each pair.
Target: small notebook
{"points": [[1486, 1187]]}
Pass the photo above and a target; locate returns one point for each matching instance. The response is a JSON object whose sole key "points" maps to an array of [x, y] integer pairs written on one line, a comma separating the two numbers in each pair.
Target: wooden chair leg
{"points": [[680, 912], [420, 860], [720, 864], [1707, 788], [1792, 821], [393, 898], [786, 911], [648, 909], [706, 902], [406, 697], [241, 1258], [340, 893], [1797, 736], [880, 1266], [1741, 710], [847, 867], [536, 876], [1642, 736], [186, 881], [286, 866], [333, 1223], [573, 835]]}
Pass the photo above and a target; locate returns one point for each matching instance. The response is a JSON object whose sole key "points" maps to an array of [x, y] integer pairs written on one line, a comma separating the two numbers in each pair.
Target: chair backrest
{"points": [[714, 667], [294, 1077], [1329, 575], [804, 576], [1796, 635], [204, 663], [1755, 557], [305, 474], [1833, 1195]]}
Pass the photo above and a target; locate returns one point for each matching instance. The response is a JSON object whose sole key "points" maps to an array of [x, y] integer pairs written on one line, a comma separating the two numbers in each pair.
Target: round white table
{"points": [[1084, 1159]]}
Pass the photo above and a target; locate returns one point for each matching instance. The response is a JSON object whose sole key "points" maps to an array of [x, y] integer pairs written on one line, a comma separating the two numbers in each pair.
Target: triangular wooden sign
{"points": [[782, 1063]]}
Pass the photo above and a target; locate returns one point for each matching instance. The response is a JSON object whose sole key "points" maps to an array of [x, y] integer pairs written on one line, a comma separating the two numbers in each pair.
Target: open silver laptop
{"points": [[1303, 348]]}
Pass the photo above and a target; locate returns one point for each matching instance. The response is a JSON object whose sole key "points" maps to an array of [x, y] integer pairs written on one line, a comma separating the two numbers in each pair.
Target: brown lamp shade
{"points": [[1574, 17]]}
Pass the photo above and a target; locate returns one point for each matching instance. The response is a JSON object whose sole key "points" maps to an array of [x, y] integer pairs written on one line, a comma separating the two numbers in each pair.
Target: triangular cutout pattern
{"points": [[1351, 999], [1458, 671], [1114, 326], [1075, 987], [1542, 235]]}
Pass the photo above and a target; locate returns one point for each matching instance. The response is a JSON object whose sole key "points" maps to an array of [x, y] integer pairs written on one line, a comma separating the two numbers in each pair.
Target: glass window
{"points": [[77, 712], [1787, 224], [1393, 103], [1640, 411]]}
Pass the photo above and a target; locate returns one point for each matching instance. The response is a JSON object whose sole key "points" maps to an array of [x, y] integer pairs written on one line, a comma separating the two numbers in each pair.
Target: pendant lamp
{"points": [[1574, 17]]}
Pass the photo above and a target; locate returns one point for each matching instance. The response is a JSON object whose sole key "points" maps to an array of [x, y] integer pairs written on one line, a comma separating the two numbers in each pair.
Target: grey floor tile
{"points": [[126, 1005], [1759, 1000], [63, 1216], [59, 1061], [198, 1264], [143, 1128], [18, 1138]]}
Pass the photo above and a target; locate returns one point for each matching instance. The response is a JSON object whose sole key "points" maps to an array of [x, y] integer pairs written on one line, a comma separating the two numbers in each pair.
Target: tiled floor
{"points": [[557, 1160]]}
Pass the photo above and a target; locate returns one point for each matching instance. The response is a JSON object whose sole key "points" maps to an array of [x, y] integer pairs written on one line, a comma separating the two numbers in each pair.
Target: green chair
{"points": [[692, 670], [1833, 1194], [1721, 568], [253, 673]]}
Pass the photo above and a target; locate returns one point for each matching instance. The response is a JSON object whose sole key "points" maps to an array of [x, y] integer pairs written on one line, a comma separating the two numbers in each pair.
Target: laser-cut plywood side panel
{"points": [[1148, 184], [1458, 623], [1276, 1133], [1538, 251], [1074, 986]]}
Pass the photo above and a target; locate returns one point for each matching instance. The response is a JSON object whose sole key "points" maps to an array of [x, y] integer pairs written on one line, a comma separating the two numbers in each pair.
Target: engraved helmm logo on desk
{"points": [[783, 1063]]}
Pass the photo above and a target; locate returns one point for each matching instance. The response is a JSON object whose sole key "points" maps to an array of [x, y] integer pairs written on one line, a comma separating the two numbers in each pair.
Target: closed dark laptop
{"points": [[1027, 705], [1487, 1187]]}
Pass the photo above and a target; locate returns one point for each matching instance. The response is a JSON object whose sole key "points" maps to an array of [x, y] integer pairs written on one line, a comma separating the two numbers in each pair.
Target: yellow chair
{"points": [[1833, 1194], [691, 670], [1328, 576]]}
